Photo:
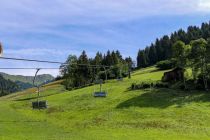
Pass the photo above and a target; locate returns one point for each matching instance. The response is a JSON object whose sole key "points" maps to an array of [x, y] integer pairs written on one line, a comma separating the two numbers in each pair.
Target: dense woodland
{"points": [[7, 86], [161, 49], [188, 50], [92, 69]]}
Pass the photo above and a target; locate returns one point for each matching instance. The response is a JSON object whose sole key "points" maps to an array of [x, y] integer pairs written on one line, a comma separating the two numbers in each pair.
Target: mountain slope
{"points": [[7, 86], [25, 82], [124, 114]]}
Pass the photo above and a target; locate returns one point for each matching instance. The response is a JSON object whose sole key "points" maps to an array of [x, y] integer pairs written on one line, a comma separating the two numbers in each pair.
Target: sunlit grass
{"points": [[124, 114]]}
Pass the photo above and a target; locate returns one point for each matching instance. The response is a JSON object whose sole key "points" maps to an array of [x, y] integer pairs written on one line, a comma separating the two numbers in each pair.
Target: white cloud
{"points": [[204, 5], [38, 12], [39, 19]]}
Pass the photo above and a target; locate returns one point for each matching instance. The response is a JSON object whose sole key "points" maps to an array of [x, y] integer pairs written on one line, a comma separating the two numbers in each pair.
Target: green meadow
{"points": [[153, 114]]}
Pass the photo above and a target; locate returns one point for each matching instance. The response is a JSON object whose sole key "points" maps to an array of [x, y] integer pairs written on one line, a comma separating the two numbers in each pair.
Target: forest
{"points": [[83, 71], [161, 49], [188, 51], [7, 86]]}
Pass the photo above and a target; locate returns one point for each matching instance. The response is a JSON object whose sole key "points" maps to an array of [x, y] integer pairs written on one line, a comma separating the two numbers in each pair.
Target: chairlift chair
{"points": [[99, 93], [120, 79]]}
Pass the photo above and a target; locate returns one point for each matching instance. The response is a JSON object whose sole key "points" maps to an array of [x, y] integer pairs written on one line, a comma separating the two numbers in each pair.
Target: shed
{"points": [[176, 74]]}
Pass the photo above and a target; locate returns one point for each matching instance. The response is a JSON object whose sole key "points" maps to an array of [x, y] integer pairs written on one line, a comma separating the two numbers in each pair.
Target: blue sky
{"points": [[53, 29]]}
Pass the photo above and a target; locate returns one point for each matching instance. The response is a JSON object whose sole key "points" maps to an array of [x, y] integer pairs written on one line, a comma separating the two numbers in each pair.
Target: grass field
{"points": [[156, 114]]}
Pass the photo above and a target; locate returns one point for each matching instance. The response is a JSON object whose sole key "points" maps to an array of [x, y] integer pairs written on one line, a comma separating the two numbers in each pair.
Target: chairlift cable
{"points": [[26, 68], [52, 62]]}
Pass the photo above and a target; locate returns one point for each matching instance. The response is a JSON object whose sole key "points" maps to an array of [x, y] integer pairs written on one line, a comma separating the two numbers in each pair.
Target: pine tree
{"points": [[84, 70], [147, 49], [115, 59], [152, 55], [142, 59], [108, 58], [119, 56]]}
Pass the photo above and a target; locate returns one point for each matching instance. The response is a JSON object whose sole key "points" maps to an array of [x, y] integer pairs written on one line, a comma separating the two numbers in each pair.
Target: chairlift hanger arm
{"points": [[35, 77]]}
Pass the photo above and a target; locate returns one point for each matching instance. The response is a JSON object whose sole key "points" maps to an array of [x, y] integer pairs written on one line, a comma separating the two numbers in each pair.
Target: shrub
{"points": [[145, 85], [166, 64], [133, 86], [161, 85]]}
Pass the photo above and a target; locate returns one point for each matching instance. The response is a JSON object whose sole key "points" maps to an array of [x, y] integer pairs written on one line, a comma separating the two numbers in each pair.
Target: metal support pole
{"points": [[129, 72], [105, 72], [100, 86], [36, 85]]}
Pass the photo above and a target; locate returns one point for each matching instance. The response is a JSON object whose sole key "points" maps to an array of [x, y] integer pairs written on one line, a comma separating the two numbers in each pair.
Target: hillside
{"points": [[7, 86], [123, 115], [25, 82]]}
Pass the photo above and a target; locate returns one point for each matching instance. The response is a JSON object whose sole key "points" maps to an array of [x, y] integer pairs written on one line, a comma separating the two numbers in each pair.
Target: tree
{"points": [[142, 59], [98, 60], [147, 57], [84, 69], [77, 72], [69, 72], [164, 44], [159, 50], [108, 59], [115, 58], [199, 57], [205, 30], [129, 62], [152, 55], [181, 53], [119, 56]]}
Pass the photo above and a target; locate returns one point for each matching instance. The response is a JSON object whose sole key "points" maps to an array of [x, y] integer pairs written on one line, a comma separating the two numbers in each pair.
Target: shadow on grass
{"points": [[164, 98], [31, 98]]}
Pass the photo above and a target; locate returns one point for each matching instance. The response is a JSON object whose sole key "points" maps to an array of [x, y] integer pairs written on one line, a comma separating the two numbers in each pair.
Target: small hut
{"points": [[176, 74]]}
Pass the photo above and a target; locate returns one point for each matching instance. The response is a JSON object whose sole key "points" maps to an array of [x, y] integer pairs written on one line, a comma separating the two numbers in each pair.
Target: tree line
{"points": [[161, 49], [82, 71], [195, 55], [7, 86]]}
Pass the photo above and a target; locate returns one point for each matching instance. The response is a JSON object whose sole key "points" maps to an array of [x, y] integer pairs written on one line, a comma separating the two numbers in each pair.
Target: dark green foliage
{"points": [[145, 85], [7, 86], [162, 48], [199, 59], [161, 85], [152, 56], [142, 59], [79, 72], [166, 64]]}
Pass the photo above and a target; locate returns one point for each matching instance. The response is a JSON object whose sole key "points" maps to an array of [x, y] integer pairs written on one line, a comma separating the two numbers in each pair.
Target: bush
{"points": [[145, 85], [161, 85], [133, 86], [200, 84], [166, 64]]}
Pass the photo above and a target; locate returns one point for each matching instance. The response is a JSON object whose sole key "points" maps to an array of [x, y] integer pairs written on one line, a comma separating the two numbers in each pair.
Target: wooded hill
{"points": [[28, 79], [161, 49], [7, 86], [14, 83]]}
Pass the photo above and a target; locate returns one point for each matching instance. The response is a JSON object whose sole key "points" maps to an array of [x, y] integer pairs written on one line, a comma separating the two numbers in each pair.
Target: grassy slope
{"points": [[143, 114]]}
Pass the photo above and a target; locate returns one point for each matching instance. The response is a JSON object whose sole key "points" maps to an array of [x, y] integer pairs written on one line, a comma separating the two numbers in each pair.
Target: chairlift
{"points": [[38, 104], [120, 79], [101, 92]]}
